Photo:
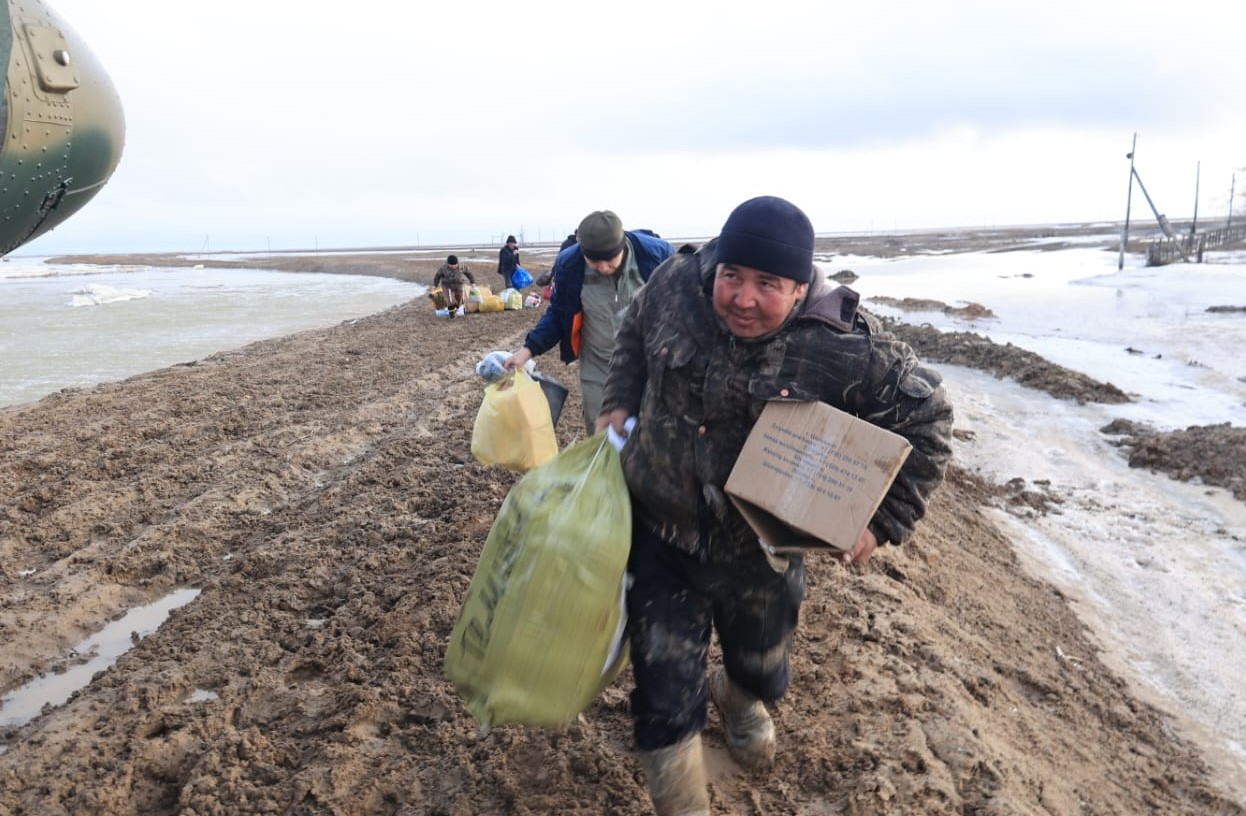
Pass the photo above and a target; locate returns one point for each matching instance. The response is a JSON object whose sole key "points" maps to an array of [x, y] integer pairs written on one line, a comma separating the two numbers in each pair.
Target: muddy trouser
{"points": [[454, 296], [675, 604]]}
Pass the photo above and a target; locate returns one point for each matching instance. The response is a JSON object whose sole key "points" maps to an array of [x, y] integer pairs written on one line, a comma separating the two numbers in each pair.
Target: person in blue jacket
{"points": [[595, 280]]}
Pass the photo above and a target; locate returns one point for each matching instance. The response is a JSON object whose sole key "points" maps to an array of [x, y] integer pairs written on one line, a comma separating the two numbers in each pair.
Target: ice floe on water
{"points": [[99, 294]]}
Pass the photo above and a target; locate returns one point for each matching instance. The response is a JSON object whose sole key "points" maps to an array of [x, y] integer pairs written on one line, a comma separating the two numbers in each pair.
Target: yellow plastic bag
{"points": [[541, 629], [514, 427]]}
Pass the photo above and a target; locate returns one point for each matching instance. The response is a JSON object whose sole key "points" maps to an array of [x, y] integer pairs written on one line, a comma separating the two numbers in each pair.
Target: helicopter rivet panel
{"points": [[61, 119], [53, 66]]}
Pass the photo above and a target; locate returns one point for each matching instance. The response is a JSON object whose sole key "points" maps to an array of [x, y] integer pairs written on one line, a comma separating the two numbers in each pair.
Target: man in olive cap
{"points": [[705, 345], [594, 281]]}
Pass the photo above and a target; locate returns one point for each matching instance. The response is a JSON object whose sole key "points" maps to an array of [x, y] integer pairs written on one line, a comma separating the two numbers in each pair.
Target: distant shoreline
{"points": [[881, 243]]}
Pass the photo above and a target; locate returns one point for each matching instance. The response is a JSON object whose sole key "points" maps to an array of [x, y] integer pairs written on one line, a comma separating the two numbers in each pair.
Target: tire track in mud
{"points": [[148, 495]]}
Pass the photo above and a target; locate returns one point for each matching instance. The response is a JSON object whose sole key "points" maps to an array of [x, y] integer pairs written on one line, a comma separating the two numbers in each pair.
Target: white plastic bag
{"points": [[492, 367]]}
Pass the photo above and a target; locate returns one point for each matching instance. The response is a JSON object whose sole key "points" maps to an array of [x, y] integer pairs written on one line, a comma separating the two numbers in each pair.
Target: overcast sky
{"points": [[267, 124]]}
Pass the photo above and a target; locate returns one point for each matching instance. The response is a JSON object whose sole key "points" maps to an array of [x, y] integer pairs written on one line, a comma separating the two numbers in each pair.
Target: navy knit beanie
{"points": [[769, 234]]}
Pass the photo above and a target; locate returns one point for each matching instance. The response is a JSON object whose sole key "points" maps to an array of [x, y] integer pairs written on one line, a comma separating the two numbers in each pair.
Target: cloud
{"points": [[297, 122]]}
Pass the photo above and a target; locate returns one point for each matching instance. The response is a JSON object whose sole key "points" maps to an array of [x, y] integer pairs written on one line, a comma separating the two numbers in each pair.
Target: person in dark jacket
{"points": [[546, 277], [706, 344], [594, 281], [508, 260]]}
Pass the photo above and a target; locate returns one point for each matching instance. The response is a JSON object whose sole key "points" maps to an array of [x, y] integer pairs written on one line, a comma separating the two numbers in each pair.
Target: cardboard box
{"points": [[811, 476]]}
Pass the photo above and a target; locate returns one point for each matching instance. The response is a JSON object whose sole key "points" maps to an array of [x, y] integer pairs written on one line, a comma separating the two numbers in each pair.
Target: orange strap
{"points": [[577, 324]]}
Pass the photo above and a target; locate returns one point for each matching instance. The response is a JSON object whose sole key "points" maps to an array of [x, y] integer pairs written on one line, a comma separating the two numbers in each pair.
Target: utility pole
{"points": [[1232, 187], [1194, 223], [1120, 262]]}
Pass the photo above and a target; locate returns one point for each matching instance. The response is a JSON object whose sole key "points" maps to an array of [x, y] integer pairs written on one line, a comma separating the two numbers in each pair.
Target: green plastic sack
{"points": [[513, 426], [541, 629]]}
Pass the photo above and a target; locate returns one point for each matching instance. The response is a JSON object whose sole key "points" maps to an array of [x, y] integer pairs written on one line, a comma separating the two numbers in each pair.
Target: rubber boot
{"points": [[747, 723], [676, 779]]}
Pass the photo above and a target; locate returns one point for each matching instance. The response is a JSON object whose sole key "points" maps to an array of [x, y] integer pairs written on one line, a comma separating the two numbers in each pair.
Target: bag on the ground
{"points": [[520, 278], [512, 299], [513, 427], [541, 629], [491, 303]]}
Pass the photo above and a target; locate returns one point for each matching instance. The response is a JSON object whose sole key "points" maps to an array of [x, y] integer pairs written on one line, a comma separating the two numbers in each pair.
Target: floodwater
{"points": [[74, 326]]}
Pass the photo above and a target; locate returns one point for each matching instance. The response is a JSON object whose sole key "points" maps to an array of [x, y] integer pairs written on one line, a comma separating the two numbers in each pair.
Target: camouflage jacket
{"points": [[697, 391], [447, 275]]}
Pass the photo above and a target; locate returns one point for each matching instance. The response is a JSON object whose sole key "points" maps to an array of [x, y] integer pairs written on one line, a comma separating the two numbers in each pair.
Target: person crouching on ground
{"points": [[709, 340], [450, 277], [595, 280]]}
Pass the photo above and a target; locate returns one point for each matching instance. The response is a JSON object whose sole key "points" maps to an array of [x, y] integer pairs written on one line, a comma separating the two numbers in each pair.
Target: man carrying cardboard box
{"points": [[712, 339]]}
